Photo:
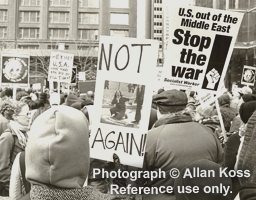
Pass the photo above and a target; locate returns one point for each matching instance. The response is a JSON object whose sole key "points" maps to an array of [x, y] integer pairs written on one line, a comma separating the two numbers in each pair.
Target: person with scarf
{"points": [[12, 141]]}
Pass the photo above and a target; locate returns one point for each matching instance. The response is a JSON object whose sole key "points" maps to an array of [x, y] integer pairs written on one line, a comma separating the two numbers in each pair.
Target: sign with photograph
{"points": [[199, 48], [248, 75], [121, 115], [60, 69], [15, 69]]}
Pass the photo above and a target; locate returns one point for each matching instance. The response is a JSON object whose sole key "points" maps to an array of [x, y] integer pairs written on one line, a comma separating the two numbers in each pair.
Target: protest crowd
{"points": [[44, 146]]}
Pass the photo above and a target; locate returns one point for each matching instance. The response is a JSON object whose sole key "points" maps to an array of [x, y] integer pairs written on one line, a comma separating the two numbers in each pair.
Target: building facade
{"points": [[72, 24]]}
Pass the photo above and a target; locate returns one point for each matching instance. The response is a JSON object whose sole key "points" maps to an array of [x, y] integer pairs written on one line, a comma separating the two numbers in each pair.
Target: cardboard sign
{"points": [[15, 69], [60, 69], [74, 76], [200, 46], [123, 61], [248, 75]]}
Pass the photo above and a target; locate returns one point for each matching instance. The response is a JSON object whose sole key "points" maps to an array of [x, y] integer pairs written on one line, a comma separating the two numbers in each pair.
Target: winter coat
{"points": [[175, 142], [9, 148]]}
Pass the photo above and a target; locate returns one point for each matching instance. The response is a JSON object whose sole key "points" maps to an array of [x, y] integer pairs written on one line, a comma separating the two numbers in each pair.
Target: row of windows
{"points": [[158, 23], [66, 3], [158, 16], [157, 8], [63, 17], [158, 1], [80, 47], [83, 34], [157, 31]]}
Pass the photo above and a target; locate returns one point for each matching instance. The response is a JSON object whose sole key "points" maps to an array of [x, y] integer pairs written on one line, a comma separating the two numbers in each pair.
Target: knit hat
{"points": [[57, 151], [170, 101], [249, 97], [43, 96], [224, 100], [198, 180], [246, 110], [71, 98]]}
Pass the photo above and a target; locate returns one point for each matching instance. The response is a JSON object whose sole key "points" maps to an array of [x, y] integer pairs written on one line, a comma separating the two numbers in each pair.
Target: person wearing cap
{"points": [[175, 141], [55, 169]]}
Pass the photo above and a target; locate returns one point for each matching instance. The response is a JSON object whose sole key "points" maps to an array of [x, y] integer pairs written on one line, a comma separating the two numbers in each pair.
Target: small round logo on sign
{"points": [[15, 69]]}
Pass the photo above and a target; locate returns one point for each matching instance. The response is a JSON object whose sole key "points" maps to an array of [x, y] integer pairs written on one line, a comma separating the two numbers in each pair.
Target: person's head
{"points": [[118, 94], [21, 113], [245, 90], [22, 95], [7, 106], [213, 179], [90, 95], [7, 92], [246, 110], [224, 99], [170, 101], [44, 97], [57, 151]]}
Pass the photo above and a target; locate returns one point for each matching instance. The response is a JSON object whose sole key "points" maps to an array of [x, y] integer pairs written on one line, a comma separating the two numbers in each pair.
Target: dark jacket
{"points": [[175, 142]]}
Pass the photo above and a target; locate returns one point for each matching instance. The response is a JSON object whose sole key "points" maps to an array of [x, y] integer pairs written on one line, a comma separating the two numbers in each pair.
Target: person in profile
{"points": [[139, 100], [118, 111]]}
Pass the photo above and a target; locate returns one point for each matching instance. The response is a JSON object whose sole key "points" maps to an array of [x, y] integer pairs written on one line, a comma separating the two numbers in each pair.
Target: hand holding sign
{"points": [[213, 77]]}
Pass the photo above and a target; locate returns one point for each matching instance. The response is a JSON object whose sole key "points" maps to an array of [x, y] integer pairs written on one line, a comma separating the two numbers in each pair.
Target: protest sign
{"points": [[199, 48], [15, 69], [60, 69], [81, 76], [248, 75], [74, 76], [123, 61]]}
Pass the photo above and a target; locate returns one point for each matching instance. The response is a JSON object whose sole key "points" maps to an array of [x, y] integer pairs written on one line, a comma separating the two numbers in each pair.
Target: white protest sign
{"points": [[81, 76], [60, 69], [123, 61], [200, 46], [248, 76], [36, 86]]}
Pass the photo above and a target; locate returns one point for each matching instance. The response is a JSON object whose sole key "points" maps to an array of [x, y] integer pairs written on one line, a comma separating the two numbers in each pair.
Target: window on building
{"points": [[55, 33], [3, 32], [88, 3], [3, 16], [55, 46], [204, 3], [60, 3], [119, 18], [28, 46], [88, 34], [29, 33], [4, 2], [88, 18], [29, 17], [59, 17], [120, 33], [119, 4], [30, 2], [88, 48]]}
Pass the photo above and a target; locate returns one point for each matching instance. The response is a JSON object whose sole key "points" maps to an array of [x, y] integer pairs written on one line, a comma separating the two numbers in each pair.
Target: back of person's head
{"points": [[224, 99], [39, 103], [170, 101], [32, 105], [21, 95], [249, 97], [213, 179], [7, 92], [57, 151], [44, 97], [246, 110], [90, 95], [7, 106]]}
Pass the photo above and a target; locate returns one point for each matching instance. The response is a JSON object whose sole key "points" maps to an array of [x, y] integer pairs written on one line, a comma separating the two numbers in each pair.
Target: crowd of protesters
{"points": [[44, 146]]}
